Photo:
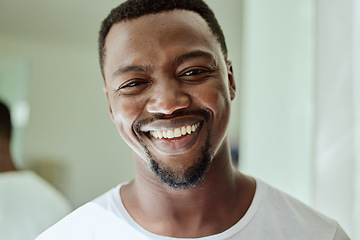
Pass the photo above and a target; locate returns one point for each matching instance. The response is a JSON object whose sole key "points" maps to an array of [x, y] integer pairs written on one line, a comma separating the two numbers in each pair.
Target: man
{"points": [[169, 87], [28, 204]]}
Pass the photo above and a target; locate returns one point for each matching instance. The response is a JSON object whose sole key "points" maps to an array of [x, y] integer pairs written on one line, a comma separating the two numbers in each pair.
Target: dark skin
{"points": [[159, 65], [6, 163]]}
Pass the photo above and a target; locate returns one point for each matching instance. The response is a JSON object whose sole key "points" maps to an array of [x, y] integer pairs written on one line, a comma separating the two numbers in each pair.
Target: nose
{"points": [[167, 98]]}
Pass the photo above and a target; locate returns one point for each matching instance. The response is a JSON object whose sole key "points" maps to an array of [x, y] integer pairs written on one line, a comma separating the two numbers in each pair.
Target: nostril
{"points": [[168, 103]]}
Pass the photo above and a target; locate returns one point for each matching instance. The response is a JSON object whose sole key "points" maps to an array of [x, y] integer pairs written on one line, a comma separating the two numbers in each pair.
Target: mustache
{"points": [[178, 113]]}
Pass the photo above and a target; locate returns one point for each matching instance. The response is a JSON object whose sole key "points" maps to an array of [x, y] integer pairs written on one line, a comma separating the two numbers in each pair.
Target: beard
{"points": [[184, 178]]}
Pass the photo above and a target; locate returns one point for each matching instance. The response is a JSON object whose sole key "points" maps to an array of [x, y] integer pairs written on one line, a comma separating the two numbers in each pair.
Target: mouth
{"points": [[180, 133], [175, 132], [174, 140]]}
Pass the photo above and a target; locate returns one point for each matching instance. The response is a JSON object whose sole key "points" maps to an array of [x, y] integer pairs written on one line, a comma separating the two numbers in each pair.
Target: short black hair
{"points": [[132, 9], [5, 121]]}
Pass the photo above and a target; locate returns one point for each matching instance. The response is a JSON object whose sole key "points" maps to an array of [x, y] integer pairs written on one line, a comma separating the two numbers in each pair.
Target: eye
{"points": [[133, 86], [194, 74]]}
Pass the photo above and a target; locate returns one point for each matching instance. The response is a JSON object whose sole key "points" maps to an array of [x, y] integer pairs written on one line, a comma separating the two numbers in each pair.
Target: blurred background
{"points": [[295, 120]]}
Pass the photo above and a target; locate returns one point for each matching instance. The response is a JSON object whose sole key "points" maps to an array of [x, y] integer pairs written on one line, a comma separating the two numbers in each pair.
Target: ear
{"points": [[110, 109], [230, 75]]}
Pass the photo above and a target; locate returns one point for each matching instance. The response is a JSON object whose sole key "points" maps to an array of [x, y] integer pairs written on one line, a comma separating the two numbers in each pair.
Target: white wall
{"points": [[356, 91], [277, 94], [337, 119], [300, 102]]}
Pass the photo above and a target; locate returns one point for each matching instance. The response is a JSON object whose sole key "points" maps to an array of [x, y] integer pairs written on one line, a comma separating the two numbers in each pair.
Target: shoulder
{"points": [[292, 216], [38, 192], [13, 183], [285, 205], [97, 219], [23, 212], [80, 224]]}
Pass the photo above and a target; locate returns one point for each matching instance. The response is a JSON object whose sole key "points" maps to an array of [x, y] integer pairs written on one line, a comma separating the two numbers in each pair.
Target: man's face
{"points": [[169, 91]]}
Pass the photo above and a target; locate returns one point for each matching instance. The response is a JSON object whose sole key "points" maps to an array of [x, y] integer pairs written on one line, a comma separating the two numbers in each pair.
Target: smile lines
{"points": [[173, 133]]}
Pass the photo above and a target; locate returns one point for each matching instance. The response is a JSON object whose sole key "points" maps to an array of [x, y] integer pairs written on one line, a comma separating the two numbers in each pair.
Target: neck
{"points": [[214, 205], [6, 163]]}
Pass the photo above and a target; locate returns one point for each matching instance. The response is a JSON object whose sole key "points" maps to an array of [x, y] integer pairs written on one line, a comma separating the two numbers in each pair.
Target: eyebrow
{"points": [[175, 61], [131, 68], [193, 54]]}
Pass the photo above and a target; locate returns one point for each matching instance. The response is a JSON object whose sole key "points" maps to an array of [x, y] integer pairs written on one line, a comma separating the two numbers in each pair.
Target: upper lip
{"points": [[166, 124]]}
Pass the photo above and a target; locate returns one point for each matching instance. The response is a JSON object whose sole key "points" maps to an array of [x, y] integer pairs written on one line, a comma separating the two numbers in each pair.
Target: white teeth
{"points": [[159, 133], [177, 132], [183, 130], [154, 134], [188, 129], [170, 133]]}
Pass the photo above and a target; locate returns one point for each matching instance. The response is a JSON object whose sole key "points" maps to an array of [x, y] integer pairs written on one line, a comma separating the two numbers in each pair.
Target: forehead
{"points": [[158, 34], [160, 23]]}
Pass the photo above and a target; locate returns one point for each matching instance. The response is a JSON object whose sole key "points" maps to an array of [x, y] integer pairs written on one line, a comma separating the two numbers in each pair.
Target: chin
{"points": [[185, 178]]}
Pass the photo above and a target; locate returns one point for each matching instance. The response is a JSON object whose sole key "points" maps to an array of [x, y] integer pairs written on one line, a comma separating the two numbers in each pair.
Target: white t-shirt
{"points": [[28, 205], [272, 215]]}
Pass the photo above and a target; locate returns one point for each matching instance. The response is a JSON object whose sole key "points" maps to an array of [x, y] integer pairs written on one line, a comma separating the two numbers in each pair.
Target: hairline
{"points": [[103, 49]]}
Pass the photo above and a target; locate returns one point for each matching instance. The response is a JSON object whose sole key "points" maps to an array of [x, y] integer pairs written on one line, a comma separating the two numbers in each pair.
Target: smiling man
{"points": [[169, 87]]}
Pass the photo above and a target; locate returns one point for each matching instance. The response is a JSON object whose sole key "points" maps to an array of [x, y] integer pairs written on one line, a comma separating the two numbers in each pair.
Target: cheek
{"points": [[215, 97], [125, 113]]}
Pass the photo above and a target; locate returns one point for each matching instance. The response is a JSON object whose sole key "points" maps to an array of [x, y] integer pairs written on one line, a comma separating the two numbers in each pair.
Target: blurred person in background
{"points": [[6, 162], [28, 204]]}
